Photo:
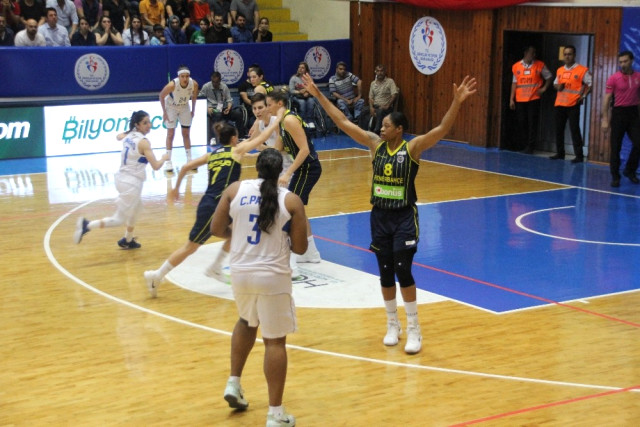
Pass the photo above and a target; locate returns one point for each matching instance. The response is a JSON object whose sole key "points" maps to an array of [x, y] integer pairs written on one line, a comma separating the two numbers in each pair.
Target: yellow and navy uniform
{"points": [[267, 86], [394, 174]]}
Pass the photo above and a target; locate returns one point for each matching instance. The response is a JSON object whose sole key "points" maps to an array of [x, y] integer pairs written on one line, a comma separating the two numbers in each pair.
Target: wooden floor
{"points": [[81, 343]]}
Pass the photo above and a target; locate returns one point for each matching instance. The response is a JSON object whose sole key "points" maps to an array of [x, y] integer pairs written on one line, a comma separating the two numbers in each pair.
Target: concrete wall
{"points": [[321, 19]]}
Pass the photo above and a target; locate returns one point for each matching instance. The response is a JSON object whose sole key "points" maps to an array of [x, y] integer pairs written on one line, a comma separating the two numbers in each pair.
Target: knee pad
{"points": [[402, 262], [387, 275]]}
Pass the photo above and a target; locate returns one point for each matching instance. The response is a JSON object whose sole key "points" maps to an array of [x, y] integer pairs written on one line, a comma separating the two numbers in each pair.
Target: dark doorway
{"points": [[548, 47]]}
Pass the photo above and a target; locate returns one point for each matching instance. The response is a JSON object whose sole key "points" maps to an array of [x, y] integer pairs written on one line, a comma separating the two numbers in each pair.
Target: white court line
{"points": [[57, 265]]}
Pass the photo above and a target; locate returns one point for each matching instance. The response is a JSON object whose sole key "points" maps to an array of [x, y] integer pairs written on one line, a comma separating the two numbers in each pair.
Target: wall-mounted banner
{"points": [[427, 45], [21, 132]]}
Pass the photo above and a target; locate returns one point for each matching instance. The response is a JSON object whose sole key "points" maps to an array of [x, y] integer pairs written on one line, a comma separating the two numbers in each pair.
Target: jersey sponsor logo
{"points": [[230, 65], [319, 61], [427, 45], [388, 192], [91, 71]]}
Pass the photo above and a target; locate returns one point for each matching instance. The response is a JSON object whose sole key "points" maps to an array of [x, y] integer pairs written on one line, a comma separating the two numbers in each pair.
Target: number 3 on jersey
{"points": [[254, 239]]}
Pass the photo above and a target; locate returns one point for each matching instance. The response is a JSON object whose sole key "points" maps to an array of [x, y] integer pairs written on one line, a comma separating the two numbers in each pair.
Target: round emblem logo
{"points": [[92, 71], [230, 65], [319, 61], [427, 45]]}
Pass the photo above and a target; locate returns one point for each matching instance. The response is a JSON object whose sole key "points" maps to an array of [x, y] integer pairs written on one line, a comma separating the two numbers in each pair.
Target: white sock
{"points": [[128, 236], [412, 313], [311, 247], [392, 310], [276, 411], [188, 154], [169, 154], [164, 269], [234, 380], [93, 224]]}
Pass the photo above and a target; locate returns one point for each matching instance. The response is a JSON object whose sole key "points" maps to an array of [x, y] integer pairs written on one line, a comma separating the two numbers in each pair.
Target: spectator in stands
{"points": [[54, 34], [67, 14], [174, 33], [199, 36], [262, 33], [158, 38], [32, 9], [260, 85], [246, 8], [198, 9], [90, 9], [84, 36], [341, 87], [300, 95], [220, 103], [180, 8], [11, 12], [152, 13], [221, 7], [6, 34], [30, 36], [240, 33], [118, 11], [246, 92], [106, 35], [382, 95], [135, 35], [218, 33]]}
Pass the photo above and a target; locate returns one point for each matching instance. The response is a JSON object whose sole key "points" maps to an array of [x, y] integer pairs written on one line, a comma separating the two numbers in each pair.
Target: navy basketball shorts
{"points": [[303, 180], [394, 230], [201, 230]]}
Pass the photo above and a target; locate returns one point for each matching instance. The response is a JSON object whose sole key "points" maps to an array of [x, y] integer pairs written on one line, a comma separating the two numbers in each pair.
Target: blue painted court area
{"points": [[511, 252]]}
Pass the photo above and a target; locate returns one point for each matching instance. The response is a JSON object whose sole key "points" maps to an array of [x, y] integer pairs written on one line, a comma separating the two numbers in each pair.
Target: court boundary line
{"points": [[66, 273]]}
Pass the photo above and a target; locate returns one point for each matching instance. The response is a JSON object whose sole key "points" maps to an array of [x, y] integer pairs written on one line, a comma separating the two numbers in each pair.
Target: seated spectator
{"points": [[152, 13], [199, 37], [198, 9], [32, 9], [11, 12], [174, 33], [260, 85], [220, 103], [135, 35], [240, 33], [54, 34], [84, 36], [180, 8], [118, 11], [30, 36], [67, 14], [6, 34], [218, 33], [300, 95], [90, 9], [246, 8], [262, 33], [341, 87], [158, 38], [382, 95], [246, 92], [221, 7], [106, 35]]}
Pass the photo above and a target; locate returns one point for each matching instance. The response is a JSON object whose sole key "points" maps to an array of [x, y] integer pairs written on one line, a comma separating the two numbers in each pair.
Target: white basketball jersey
{"points": [[286, 158], [180, 95], [132, 162], [251, 248]]}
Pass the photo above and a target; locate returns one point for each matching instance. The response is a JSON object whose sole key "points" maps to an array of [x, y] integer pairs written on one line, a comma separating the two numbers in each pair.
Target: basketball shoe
{"points": [[282, 420], [394, 331], [234, 395], [81, 230], [152, 283], [414, 339]]}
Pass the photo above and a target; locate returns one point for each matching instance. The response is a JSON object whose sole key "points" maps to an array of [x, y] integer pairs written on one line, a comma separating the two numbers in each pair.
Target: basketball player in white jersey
{"points": [[265, 223], [265, 119], [174, 99], [136, 153]]}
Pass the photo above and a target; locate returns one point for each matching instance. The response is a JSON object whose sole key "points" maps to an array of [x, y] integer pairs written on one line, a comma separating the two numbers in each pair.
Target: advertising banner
{"points": [[21, 132]]}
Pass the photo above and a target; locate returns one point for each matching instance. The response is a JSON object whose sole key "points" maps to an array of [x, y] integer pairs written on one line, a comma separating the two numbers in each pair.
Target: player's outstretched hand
{"points": [[466, 89], [309, 85]]}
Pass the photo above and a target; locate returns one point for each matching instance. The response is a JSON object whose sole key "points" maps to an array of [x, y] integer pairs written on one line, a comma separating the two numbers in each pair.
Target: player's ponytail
{"points": [[269, 166]]}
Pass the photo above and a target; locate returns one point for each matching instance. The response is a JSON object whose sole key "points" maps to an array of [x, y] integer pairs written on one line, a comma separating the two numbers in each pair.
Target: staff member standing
{"points": [[573, 84], [531, 78], [624, 87]]}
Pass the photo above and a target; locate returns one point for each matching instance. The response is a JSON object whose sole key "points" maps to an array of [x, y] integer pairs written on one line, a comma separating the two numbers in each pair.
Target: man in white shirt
{"points": [[54, 34], [67, 14], [30, 36]]}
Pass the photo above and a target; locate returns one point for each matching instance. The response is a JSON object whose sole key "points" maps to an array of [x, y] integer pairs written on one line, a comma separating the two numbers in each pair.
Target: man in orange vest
{"points": [[573, 84], [531, 78]]}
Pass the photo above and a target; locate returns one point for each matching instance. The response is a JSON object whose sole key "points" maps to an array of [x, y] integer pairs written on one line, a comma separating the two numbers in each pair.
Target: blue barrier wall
{"points": [[73, 71]]}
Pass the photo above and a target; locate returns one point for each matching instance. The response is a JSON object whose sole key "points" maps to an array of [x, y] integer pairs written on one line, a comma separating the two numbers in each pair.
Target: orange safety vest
{"points": [[572, 79], [528, 80]]}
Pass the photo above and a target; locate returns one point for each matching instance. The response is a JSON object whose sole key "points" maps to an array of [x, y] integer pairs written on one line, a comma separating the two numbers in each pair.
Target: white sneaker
{"points": [[168, 166], [283, 420], [394, 331], [152, 282], [414, 340], [234, 395], [217, 273], [313, 257]]}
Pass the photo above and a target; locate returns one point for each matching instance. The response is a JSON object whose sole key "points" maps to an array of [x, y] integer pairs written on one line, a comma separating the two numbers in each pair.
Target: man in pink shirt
{"points": [[624, 87]]}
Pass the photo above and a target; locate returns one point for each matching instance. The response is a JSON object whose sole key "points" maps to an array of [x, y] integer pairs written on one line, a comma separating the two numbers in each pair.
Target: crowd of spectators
{"points": [[130, 22]]}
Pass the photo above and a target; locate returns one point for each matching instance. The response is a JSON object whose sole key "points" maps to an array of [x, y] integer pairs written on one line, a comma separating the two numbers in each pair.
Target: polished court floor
{"points": [[533, 265]]}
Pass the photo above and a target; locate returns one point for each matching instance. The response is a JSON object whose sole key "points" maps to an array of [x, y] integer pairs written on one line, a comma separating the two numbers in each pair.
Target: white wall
{"points": [[321, 19]]}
